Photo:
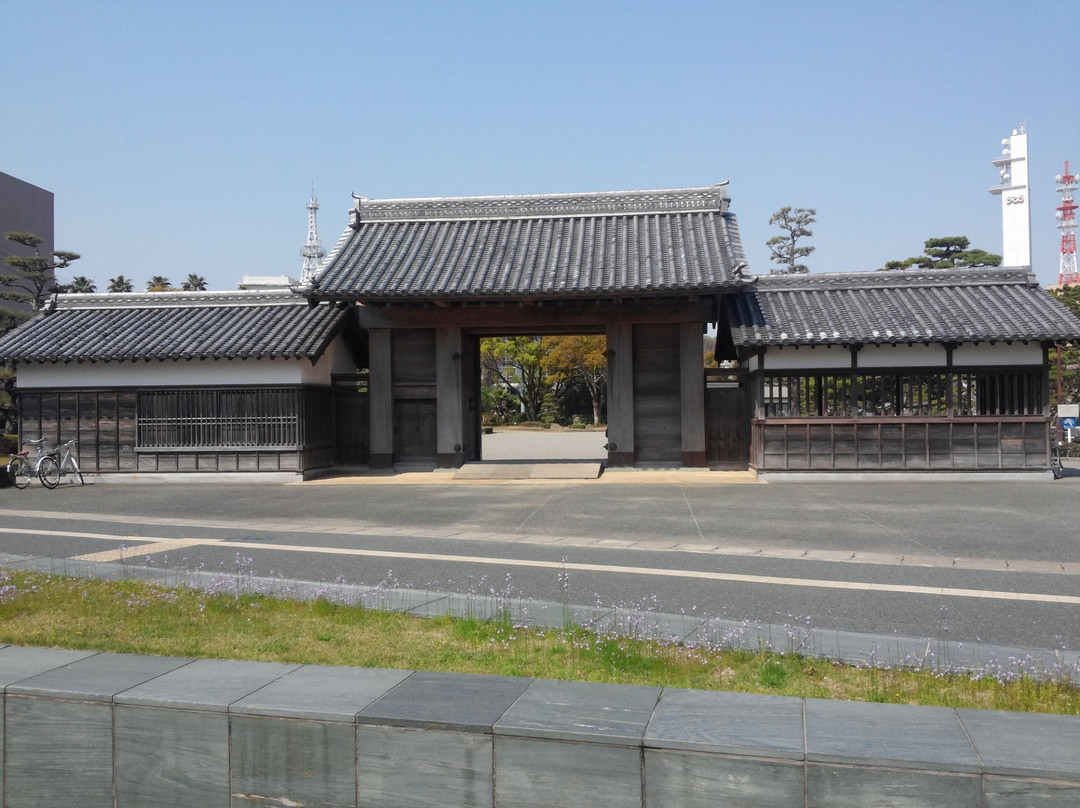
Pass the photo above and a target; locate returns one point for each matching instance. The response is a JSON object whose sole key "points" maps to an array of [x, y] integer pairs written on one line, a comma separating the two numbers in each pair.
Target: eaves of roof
{"points": [[132, 330], [633, 243], [865, 308]]}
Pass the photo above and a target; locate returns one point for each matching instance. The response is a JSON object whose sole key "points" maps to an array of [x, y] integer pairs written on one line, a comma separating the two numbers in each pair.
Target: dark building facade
{"points": [[28, 209]]}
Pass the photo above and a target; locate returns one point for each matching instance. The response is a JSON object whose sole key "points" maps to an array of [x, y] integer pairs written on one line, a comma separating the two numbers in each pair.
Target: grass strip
{"points": [[137, 617]]}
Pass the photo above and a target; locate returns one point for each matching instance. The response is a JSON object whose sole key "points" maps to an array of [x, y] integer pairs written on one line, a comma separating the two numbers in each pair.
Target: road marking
{"points": [[741, 548], [154, 547], [147, 542]]}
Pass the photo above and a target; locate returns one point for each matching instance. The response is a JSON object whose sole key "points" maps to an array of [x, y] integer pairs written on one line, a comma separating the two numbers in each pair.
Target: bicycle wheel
{"points": [[72, 468], [49, 472], [19, 472], [1056, 466]]}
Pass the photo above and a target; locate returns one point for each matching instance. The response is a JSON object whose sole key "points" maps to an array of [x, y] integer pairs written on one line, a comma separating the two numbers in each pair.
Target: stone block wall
{"points": [[89, 729]]}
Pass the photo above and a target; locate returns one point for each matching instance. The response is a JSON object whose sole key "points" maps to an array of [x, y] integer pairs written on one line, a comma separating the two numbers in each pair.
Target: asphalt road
{"points": [[987, 562]]}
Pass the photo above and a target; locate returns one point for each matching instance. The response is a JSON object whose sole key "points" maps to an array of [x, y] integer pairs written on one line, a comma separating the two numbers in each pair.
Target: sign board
{"points": [[1068, 423], [1068, 411]]}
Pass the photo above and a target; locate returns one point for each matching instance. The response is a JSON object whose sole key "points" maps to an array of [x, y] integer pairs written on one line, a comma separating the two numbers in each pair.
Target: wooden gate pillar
{"points": [[692, 382], [449, 362], [380, 399], [620, 365]]}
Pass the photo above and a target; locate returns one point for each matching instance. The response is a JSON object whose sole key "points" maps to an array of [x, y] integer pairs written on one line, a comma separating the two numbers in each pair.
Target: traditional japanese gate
{"points": [[430, 278]]}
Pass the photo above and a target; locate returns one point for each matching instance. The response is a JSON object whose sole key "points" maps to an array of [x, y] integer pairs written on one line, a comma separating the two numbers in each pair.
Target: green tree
{"points": [[515, 363], [37, 278], [784, 249], [120, 284], [194, 283], [1066, 357], [9, 421], [582, 357], [80, 284], [158, 283], [946, 252], [497, 403]]}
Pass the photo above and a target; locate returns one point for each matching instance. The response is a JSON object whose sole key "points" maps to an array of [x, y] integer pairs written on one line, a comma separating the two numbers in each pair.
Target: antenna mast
{"points": [[313, 252], [1066, 216], [1015, 205]]}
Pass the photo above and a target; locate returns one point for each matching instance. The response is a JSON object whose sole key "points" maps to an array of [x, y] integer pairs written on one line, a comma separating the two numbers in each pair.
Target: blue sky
{"points": [[185, 137]]}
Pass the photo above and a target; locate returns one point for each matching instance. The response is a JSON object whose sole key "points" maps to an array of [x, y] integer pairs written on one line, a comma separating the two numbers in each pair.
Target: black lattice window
{"points": [[219, 418]]}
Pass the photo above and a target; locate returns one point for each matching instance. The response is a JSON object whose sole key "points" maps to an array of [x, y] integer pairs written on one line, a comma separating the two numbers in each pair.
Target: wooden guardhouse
{"points": [[171, 382], [899, 371]]}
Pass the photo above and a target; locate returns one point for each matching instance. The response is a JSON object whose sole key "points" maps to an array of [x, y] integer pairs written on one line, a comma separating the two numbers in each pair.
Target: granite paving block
{"points": [[615, 714], [286, 761], [1025, 744], [98, 677], [829, 786], [448, 701], [57, 752], [536, 773], [171, 758], [19, 662], [730, 723], [320, 693], [898, 735], [677, 779], [206, 684], [1010, 792], [415, 768]]}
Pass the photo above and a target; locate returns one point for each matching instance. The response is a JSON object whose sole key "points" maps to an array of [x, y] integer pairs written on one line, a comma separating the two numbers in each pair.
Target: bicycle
{"points": [[51, 470], [1055, 460], [20, 469]]}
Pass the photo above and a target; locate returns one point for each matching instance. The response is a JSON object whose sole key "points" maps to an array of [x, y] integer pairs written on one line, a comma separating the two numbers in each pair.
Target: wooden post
{"points": [[380, 399], [448, 380], [692, 376], [620, 365]]}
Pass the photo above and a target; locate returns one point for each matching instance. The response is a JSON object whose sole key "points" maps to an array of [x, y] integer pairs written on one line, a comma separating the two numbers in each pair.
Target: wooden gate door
{"points": [[415, 430], [727, 420], [657, 397], [351, 445]]}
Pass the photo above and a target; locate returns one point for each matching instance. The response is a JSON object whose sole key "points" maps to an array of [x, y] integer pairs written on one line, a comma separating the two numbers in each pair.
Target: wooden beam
{"points": [[450, 433], [620, 364], [573, 317], [380, 399], [692, 377]]}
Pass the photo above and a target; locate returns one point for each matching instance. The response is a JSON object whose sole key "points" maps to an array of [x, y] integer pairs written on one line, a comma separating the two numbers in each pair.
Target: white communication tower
{"points": [[313, 251], [1015, 204]]}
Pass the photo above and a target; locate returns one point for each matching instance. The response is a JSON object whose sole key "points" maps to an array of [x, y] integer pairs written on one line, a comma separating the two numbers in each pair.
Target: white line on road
{"points": [[702, 575]]}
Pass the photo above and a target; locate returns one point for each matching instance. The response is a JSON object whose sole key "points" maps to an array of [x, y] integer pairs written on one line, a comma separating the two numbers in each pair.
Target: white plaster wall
{"points": [[189, 372], [896, 356], [1018, 353], [336, 359], [183, 373], [807, 358]]}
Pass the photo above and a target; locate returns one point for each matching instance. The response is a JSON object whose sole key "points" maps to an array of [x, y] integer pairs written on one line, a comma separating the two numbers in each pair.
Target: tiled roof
{"points": [[963, 305], [182, 325], [544, 246]]}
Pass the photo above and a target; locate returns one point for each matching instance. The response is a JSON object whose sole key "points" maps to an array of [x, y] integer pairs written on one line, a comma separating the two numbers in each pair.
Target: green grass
{"points": [[137, 617]]}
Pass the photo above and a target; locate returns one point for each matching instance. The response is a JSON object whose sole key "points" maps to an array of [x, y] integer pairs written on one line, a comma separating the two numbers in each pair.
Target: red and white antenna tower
{"points": [[1066, 217]]}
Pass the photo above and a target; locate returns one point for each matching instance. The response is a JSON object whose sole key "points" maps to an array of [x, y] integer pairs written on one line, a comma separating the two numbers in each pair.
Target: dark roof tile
{"points": [[546, 246], [183, 325], [964, 305]]}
